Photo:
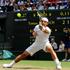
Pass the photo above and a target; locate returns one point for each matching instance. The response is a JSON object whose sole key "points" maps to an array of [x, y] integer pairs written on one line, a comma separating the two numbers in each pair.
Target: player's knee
{"points": [[49, 49]]}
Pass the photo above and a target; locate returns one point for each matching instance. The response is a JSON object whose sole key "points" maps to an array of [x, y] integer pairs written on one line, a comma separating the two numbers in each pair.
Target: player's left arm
{"points": [[46, 30]]}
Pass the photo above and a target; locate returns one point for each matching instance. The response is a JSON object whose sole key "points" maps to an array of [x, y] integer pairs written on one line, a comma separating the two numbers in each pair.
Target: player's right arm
{"points": [[34, 34]]}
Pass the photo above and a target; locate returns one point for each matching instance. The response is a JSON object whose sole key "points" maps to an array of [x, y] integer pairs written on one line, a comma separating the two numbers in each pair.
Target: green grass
{"points": [[38, 63]]}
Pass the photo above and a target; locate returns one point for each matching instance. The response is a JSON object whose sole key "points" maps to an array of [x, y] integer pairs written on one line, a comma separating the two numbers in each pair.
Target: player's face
{"points": [[44, 23]]}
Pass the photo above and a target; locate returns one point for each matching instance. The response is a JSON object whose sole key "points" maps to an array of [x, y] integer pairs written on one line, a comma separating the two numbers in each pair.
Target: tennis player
{"points": [[41, 33]]}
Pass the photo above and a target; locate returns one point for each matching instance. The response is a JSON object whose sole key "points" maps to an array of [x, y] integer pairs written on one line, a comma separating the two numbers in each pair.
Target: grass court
{"points": [[34, 65]]}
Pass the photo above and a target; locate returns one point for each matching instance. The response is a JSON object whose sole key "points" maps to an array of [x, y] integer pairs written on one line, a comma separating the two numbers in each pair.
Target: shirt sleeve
{"points": [[36, 28]]}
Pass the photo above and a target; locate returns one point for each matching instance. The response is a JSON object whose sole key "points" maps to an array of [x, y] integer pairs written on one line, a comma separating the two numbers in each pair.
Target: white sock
{"points": [[12, 63], [56, 61]]}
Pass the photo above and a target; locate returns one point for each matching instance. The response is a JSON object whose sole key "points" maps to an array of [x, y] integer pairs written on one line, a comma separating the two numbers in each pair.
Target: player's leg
{"points": [[54, 56], [17, 59], [29, 51]]}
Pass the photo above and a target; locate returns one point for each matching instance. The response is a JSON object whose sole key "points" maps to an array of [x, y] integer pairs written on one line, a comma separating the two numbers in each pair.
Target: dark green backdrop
{"points": [[16, 31]]}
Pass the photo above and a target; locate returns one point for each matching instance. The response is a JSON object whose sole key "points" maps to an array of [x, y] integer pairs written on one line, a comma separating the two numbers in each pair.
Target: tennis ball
{"points": [[19, 15]]}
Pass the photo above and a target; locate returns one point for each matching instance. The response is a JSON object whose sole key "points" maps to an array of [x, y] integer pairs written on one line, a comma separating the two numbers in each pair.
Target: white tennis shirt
{"points": [[41, 36]]}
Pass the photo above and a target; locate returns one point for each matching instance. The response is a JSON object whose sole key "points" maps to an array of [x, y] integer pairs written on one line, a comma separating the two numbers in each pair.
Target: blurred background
{"points": [[18, 18]]}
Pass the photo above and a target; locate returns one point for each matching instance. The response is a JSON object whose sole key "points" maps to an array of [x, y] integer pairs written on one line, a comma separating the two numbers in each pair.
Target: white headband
{"points": [[45, 19]]}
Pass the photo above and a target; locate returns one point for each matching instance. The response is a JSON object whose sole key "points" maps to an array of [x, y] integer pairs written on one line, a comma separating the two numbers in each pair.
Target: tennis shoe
{"points": [[58, 66], [7, 66]]}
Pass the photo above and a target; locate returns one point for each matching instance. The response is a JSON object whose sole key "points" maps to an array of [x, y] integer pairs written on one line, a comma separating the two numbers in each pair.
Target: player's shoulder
{"points": [[37, 26]]}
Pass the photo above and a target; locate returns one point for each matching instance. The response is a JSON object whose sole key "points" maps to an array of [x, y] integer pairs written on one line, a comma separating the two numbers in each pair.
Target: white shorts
{"points": [[35, 47]]}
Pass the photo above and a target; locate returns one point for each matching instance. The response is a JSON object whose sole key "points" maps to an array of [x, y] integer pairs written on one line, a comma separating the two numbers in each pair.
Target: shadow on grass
{"points": [[29, 68]]}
